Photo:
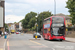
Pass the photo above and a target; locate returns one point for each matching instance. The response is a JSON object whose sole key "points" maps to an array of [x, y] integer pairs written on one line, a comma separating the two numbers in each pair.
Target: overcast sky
{"points": [[15, 10]]}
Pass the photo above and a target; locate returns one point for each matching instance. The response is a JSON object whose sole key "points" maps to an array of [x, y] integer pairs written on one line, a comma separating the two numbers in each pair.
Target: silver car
{"points": [[38, 35]]}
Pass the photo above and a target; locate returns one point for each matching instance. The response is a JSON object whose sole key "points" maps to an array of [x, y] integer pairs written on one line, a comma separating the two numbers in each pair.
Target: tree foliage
{"points": [[15, 22], [41, 17], [71, 7], [29, 20], [6, 27]]}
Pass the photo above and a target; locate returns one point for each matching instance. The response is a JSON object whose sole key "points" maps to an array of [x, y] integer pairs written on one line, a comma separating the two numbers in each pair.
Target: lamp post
{"points": [[7, 19], [54, 7], [9, 26], [36, 24], [36, 27], [42, 24]]}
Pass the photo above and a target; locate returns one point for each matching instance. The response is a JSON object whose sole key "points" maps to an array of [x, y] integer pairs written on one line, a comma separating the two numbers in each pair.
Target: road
{"points": [[27, 42]]}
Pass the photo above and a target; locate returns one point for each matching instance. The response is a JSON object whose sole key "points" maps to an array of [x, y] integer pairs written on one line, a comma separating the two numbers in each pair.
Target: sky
{"points": [[15, 10]]}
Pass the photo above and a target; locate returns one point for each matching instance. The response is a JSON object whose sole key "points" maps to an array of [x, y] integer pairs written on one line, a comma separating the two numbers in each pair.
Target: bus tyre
{"points": [[61, 40], [48, 38], [44, 38]]}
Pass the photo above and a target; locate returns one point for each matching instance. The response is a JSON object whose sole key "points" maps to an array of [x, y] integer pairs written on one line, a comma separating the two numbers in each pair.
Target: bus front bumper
{"points": [[58, 37]]}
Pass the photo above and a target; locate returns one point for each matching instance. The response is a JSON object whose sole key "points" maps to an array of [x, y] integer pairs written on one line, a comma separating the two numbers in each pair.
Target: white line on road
{"points": [[5, 41], [4, 44], [41, 44], [53, 49], [38, 43]]}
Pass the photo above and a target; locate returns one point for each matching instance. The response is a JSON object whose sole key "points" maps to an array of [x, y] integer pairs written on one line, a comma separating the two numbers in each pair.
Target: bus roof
{"points": [[54, 16]]}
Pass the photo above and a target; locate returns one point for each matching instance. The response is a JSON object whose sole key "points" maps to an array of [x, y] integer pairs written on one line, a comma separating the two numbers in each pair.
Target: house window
{"points": [[67, 20]]}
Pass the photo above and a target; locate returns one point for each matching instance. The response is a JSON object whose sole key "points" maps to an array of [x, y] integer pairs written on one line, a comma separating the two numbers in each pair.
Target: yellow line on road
{"points": [[1, 49], [36, 42], [7, 43]]}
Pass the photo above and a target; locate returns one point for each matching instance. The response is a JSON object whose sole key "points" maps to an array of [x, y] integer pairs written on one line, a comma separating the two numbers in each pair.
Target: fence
{"points": [[70, 28], [70, 32]]}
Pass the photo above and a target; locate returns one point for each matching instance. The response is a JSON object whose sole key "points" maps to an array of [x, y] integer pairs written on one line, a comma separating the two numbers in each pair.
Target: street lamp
{"points": [[36, 27], [36, 23], [55, 7], [9, 25], [42, 24], [7, 20]]}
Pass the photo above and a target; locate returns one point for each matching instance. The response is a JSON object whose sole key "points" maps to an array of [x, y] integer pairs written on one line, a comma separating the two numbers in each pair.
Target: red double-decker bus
{"points": [[54, 28]]}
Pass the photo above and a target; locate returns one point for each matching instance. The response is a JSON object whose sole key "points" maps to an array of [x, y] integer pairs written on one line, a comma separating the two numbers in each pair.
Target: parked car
{"points": [[38, 35], [17, 32]]}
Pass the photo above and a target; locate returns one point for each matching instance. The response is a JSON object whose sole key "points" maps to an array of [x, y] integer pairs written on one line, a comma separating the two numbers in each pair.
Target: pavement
{"points": [[3, 42], [70, 39], [27, 42]]}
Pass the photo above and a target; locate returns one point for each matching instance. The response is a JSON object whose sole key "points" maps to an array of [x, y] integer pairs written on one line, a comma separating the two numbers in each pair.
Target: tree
{"points": [[6, 27], [21, 20], [29, 20], [15, 22], [71, 7], [44, 14], [32, 22]]}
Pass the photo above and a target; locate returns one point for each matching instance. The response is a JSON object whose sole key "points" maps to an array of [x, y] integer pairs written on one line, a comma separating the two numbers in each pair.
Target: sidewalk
{"points": [[70, 39], [2, 42]]}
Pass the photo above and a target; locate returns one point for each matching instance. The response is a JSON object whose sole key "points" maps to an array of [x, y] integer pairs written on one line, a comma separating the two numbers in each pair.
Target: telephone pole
{"points": [[55, 7]]}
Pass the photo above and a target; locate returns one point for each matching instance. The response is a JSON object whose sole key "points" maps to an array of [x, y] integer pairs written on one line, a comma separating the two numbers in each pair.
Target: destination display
{"points": [[57, 25], [47, 26]]}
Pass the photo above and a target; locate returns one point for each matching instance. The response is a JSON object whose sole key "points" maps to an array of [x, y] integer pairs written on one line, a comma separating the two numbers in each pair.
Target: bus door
{"points": [[48, 31], [45, 33]]}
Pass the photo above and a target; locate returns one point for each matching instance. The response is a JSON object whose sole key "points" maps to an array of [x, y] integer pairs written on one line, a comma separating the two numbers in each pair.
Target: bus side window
{"points": [[45, 30]]}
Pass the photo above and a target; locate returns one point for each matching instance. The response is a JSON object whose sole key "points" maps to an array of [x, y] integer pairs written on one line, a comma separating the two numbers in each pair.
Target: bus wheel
{"points": [[48, 38], [44, 38], [60, 40]]}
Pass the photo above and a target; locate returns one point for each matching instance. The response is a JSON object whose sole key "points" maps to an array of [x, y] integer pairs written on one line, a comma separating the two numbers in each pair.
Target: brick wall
{"points": [[70, 34]]}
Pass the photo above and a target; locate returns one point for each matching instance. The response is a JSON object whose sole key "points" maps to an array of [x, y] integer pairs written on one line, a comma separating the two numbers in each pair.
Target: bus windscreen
{"points": [[57, 26], [57, 31]]}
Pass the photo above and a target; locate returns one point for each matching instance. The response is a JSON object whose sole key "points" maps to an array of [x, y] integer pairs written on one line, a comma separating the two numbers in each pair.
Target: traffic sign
{"points": [[9, 25], [37, 24]]}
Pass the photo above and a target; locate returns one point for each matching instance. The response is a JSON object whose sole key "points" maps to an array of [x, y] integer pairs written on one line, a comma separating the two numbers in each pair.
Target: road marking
{"points": [[41, 44], [4, 44], [8, 44], [38, 43], [53, 49], [64, 47], [37, 46], [1, 49], [35, 42]]}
